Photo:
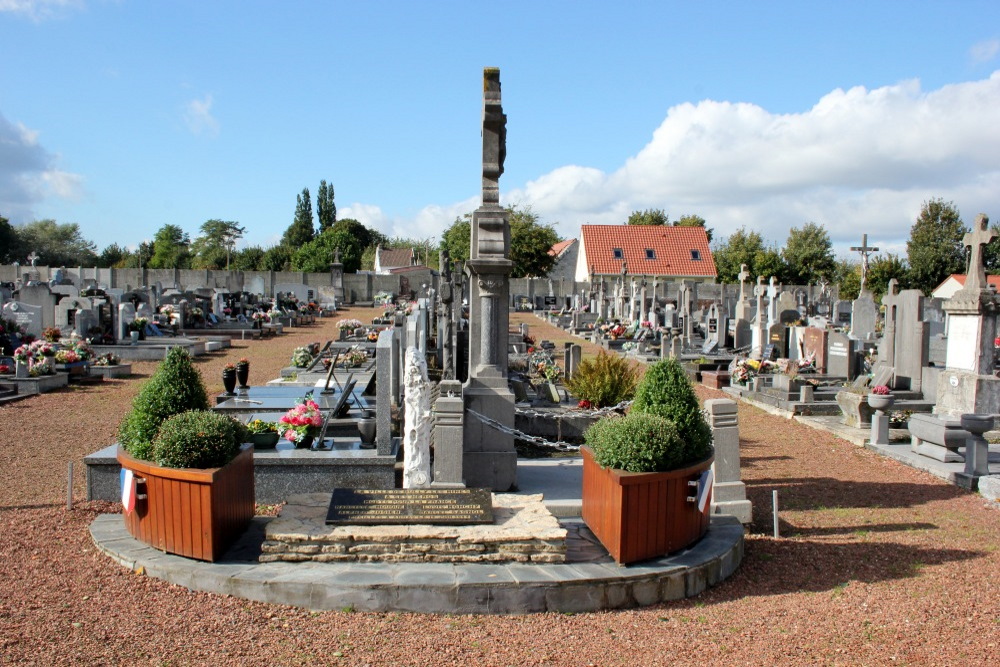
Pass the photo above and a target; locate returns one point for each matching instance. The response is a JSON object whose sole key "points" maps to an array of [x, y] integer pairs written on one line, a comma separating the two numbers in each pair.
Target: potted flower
{"points": [[263, 434], [301, 424], [638, 470], [356, 356], [22, 360], [51, 334], [243, 371], [229, 379], [880, 398], [139, 325], [301, 357], [190, 485]]}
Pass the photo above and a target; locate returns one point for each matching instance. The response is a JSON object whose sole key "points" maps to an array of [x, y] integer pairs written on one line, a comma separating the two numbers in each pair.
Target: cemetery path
{"points": [[877, 564]]}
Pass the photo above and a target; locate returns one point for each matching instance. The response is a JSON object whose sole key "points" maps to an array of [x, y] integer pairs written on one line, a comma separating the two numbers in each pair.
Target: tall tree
{"points": [[10, 250], [530, 241], [326, 209], [935, 249], [113, 255], [55, 244], [301, 230], [747, 247], [848, 279], [249, 259], [651, 216], [347, 235], [694, 221], [808, 254], [215, 244], [884, 268], [171, 249]]}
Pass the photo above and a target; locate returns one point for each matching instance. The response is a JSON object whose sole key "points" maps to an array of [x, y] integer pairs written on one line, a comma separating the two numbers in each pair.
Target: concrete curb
{"points": [[512, 588]]}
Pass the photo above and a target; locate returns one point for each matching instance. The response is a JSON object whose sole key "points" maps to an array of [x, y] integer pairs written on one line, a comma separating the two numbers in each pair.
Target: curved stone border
{"points": [[513, 588]]}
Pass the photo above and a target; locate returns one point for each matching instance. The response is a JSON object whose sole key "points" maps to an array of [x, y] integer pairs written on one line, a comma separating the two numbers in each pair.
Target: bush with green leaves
{"points": [[604, 381], [666, 391], [198, 439], [637, 442], [176, 386]]}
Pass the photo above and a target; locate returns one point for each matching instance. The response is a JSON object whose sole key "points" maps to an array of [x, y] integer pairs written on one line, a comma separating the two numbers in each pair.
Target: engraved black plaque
{"points": [[410, 506]]}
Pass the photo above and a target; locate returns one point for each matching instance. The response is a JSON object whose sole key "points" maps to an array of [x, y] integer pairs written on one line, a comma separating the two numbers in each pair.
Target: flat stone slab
{"points": [[523, 530], [582, 584], [118, 371]]}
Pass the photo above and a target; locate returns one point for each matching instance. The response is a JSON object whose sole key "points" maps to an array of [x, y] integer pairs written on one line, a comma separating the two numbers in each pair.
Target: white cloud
{"points": [[429, 222], [985, 51], [38, 10], [199, 119], [29, 174]]}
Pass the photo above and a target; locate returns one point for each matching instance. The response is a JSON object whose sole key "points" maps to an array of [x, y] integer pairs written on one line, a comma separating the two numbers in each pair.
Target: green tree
{"points": [[808, 254], [301, 230], [747, 247], [249, 259], [112, 256], [171, 249], [694, 221], [10, 250], [55, 244], [991, 253], [326, 209], [882, 269], [651, 216], [214, 246], [848, 279], [935, 249], [276, 258], [530, 241]]}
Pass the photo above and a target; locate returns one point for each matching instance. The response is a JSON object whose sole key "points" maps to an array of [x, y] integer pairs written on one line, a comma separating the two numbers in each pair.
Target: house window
{"points": [[696, 255], [650, 253], [617, 253]]}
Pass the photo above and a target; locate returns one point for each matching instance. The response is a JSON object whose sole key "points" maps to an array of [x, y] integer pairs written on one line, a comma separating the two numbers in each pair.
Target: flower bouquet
{"points": [[301, 357], [138, 324], [302, 423], [67, 357], [349, 324], [108, 359], [51, 334], [5, 369], [356, 356]]}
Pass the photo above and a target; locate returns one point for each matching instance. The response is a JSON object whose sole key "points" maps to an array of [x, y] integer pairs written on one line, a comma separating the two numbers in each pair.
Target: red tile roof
{"points": [[560, 247], [960, 277], [672, 250], [391, 258]]}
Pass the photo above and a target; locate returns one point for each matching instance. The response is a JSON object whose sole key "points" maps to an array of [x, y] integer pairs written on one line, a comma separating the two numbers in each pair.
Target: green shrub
{"points": [[666, 391], [198, 439], [175, 387], [637, 442], [604, 381]]}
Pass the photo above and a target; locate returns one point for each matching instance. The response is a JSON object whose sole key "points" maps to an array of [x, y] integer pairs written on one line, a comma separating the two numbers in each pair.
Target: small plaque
{"points": [[410, 506]]}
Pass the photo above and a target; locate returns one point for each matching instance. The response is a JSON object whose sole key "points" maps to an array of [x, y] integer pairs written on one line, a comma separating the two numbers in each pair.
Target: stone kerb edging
{"points": [[512, 588]]}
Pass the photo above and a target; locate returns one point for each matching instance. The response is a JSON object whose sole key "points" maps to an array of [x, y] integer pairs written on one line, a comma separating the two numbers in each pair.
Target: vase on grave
{"points": [[880, 402], [134, 335], [20, 369], [263, 440], [366, 427], [243, 374], [229, 381]]}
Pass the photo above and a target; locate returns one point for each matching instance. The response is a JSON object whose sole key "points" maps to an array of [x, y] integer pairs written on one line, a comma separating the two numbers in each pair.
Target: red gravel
{"points": [[878, 564]]}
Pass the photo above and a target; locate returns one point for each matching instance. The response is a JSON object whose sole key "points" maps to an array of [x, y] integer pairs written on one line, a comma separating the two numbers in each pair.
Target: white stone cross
{"points": [[744, 275], [864, 250], [33, 257], [981, 234]]}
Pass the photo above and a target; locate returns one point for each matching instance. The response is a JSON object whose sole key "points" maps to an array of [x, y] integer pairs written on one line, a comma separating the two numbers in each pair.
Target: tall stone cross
{"points": [[772, 301], [33, 257], [981, 234], [744, 276], [864, 250], [759, 292]]}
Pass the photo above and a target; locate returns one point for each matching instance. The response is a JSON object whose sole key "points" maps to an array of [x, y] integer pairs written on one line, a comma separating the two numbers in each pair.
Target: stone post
{"points": [[449, 428], [729, 495]]}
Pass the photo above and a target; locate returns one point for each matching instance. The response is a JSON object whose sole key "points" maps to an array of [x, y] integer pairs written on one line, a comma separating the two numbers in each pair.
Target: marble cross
{"points": [[33, 257], [981, 234], [864, 250]]}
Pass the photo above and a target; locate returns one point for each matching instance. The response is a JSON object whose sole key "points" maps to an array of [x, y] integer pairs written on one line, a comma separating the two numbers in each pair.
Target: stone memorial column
{"points": [[729, 495]]}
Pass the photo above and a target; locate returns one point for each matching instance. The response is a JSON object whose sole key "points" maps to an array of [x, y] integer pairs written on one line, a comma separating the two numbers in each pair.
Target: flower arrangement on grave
{"points": [[107, 359], [138, 324], [43, 349], [356, 356], [880, 390], [349, 324], [167, 309], [82, 349], [260, 317], [196, 314], [543, 367], [261, 426], [6, 369], [227, 311], [629, 346], [51, 334], [745, 371], [373, 335], [243, 363], [301, 357], [302, 421], [23, 354], [383, 299], [67, 356]]}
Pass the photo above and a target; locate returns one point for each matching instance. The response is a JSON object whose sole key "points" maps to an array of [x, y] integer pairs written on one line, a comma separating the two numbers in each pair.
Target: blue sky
{"points": [[123, 116]]}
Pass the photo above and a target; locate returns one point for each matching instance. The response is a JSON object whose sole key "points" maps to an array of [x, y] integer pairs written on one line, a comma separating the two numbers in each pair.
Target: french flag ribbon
{"points": [[705, 489], [128, 490]]}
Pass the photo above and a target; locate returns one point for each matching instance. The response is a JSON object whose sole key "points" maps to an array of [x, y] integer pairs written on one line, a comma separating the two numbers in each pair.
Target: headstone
{"points": [[66, 314], [840, 355], [815, 345], [864, 315], [28, 316], [126, 315], [41, 297]]}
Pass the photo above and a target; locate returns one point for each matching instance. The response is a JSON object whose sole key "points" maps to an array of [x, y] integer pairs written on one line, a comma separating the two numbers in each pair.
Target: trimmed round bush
{"points": [[606, 380], [176, 386], [637, 442], [198, 439], [666, 391]]}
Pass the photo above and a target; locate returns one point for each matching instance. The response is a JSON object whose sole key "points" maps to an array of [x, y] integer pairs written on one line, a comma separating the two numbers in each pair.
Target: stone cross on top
{"points": [[744, 276], [864, 250], [494, 136], [981, 234], [33, 257]]}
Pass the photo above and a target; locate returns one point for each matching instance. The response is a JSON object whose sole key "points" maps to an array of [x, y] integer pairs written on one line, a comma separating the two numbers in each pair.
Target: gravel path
{"points": [[878, 564]]}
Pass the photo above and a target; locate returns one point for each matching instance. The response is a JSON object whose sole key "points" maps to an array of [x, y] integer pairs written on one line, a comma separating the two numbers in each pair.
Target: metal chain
{"points": [[521, 435], [600, 412]]}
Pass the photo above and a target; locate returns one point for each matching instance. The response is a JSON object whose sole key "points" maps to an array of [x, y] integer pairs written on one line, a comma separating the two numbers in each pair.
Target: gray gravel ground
{"points": [[878, 564]]}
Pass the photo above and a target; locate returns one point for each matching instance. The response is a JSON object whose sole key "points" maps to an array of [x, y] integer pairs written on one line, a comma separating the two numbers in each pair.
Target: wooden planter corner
{"points": [[192, 512], [642, 515]]}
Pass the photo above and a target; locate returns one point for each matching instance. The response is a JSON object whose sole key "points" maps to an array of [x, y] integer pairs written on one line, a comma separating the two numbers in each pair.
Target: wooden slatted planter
{"points": [[191, 512], [640, 515]]}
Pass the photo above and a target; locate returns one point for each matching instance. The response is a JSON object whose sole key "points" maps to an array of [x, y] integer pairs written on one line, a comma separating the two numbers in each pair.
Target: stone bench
{"points": [[937, 437]]}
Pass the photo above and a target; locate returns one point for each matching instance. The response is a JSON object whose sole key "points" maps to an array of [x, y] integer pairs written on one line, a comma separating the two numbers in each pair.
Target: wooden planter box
{"points": [[191, 512], [640, 515]]}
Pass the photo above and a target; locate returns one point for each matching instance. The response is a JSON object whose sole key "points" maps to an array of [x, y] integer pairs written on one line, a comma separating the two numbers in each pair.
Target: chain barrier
{"points": [[600, 412], [521, 435]]}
